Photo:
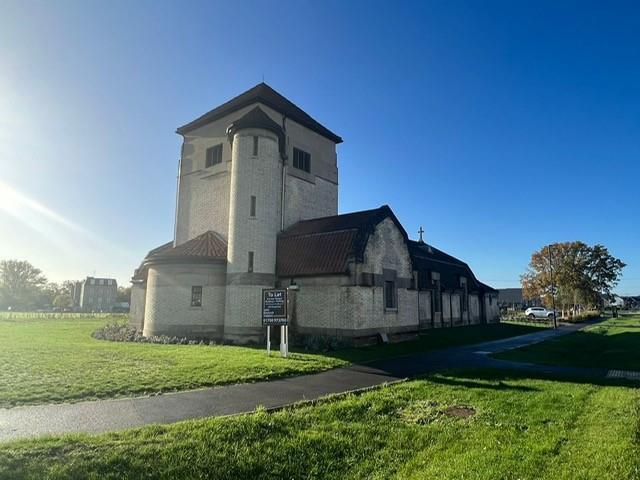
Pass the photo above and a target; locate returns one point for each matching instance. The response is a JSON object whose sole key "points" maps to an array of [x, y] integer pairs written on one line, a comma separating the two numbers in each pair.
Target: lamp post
{"points": [[553, 290]]}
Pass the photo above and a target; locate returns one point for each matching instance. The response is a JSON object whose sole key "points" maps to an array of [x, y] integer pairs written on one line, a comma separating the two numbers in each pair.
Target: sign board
{"points": [[274, 306]]}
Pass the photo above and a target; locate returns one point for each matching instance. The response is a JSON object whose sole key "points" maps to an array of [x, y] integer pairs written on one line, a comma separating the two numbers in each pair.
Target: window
{"points": [[255, 146], [252, 209], [214, 156], [250, 267], [196, 296], [389, 294], [437, 297], [301, 160]]}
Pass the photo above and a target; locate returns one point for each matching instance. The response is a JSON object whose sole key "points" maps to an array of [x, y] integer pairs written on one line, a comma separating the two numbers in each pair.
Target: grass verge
{"points": [[520, 428], [57, 360], [611, 344]]}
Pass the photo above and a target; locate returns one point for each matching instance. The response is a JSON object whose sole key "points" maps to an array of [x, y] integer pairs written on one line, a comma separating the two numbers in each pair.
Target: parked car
{"points": [[538, 312]]}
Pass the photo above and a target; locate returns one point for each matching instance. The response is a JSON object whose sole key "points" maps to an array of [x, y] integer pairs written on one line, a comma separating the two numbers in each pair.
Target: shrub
{"points": [[122, 332], [583, 317]]}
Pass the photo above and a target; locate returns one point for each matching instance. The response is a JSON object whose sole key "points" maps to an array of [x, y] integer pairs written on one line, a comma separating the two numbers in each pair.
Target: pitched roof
{"points": [[426, 257], [266, 95], [207, 246], [256, 118], [325, 245]]}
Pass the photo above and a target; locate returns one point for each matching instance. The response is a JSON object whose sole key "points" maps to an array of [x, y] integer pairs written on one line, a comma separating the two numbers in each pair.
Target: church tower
{"points": [[255, 218], [249, 168]]}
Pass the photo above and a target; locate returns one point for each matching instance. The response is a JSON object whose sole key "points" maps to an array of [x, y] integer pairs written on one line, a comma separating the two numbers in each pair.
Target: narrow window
{"points": [[252, 210], [389, 294], [214, 156], [196, 296], [255, 146], [301, 160], [250, 267]]}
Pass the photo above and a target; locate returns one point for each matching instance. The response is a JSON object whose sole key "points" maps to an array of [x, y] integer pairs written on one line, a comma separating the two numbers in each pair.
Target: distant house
{"points": [[95, 294], [513, 298], [631, 302]]}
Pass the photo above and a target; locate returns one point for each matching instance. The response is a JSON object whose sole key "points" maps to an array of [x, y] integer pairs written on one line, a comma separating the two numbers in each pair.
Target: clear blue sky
{"points": [[497, 126]]}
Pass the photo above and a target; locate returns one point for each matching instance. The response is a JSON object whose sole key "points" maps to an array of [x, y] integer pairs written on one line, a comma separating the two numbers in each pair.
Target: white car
{"points": [[538, 312]]}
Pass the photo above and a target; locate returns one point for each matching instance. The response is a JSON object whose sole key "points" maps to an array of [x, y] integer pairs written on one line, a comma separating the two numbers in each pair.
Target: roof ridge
{"points": [[261, 93]]}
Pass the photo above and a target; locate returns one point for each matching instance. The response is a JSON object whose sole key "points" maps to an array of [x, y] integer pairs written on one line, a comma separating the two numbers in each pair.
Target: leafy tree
{"points": [[581, 274], [63, 301], [20, 283], [124, 294]]}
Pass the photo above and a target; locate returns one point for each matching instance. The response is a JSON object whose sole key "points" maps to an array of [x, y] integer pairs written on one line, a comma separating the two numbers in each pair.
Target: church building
{"points": [[256, 208]]}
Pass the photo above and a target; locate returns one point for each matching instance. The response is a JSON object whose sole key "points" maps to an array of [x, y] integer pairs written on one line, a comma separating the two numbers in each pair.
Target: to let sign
{"points": [[274, 306]]}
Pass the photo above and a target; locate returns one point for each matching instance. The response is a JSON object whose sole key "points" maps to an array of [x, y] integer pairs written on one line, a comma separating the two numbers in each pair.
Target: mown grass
{"points": [[524, 428], [57, 360], [613, 344]]}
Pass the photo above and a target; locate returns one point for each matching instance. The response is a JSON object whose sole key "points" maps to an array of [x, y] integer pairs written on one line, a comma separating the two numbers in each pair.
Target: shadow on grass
{"points": [[477, 375], [495, 383], [600, 347]]}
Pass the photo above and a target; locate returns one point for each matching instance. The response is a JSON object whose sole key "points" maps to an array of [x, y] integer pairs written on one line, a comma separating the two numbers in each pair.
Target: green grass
{"points": [[56, 360], [613, 344], [524, 428]]}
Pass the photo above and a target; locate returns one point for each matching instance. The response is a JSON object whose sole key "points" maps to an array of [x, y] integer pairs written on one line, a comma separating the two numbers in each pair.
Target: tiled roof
{"points": [[324, 245], [208, 245], [266, 95], [315, 253]]}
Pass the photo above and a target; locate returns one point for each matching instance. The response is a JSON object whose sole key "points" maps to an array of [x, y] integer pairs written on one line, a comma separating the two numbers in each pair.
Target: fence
{"points": [[520, 318], [58, 315]]}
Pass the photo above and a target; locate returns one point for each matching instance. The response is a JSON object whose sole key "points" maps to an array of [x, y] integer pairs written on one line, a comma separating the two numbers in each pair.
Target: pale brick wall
{"points": [[474, 309], [136, 308], [446, 309], [455, 312], [203, 193], [308, 199], [425, 309], [491, 307], [360, 310], [203, 203], [259, 176], [168, 308]]}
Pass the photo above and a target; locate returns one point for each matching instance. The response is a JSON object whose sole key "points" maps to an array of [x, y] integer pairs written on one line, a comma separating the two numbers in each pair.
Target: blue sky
{"points": [[497, 126]]}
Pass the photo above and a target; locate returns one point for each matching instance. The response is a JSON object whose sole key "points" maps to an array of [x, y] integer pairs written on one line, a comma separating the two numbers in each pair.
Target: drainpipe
{"points": [[284, 173], [175, 224]]}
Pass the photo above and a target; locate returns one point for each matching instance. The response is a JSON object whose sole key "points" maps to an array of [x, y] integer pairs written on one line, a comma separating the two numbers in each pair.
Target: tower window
{"points": [[255, 146], [252, 209], [389, 294], [196, 296], [301, 160], [250, 266], [214, 156]]}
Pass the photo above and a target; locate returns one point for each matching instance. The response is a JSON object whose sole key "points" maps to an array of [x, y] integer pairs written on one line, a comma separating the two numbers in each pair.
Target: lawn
{"points": [[519, 428], [56, 360], [613, 344]]}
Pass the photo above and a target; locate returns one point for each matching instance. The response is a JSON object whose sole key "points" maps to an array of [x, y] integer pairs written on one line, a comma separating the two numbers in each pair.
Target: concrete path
{"points": [[108, 415]]}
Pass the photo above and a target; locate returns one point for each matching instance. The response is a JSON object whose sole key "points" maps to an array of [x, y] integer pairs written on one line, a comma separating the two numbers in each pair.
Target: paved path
{"points": [[107, 415]]}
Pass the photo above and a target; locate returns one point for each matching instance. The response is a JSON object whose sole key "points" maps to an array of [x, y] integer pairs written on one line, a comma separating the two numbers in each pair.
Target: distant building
{"points": [[95, 294], [513, 298]]}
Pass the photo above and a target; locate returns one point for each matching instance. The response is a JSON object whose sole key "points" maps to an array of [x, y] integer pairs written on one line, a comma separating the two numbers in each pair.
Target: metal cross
{"points": [[420, 232]]}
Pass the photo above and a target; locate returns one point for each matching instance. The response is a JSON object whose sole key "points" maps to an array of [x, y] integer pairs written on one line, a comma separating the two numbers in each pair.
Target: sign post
{"points": [[275, 313]]}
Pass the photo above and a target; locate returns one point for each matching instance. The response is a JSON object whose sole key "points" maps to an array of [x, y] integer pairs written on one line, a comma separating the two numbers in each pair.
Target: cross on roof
{"points": [[420, 232]]}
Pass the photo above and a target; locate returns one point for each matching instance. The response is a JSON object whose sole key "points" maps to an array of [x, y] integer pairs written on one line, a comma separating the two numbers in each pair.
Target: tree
{"points": [[20, 283], [63, 301], [124, 294], [581, 274]]}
